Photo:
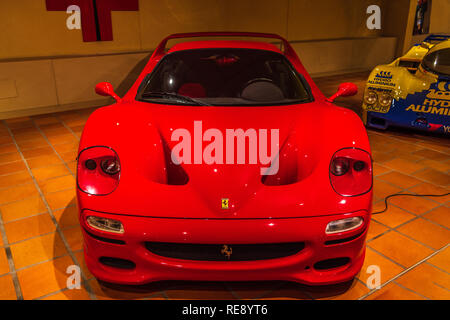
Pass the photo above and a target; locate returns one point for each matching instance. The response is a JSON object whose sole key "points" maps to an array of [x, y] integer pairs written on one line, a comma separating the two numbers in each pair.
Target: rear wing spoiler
{"points": [[287, 48], [436, 38]]}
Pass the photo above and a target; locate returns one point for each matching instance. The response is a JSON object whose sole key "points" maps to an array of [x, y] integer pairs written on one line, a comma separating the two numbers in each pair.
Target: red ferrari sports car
{"points": [[223, 162]]}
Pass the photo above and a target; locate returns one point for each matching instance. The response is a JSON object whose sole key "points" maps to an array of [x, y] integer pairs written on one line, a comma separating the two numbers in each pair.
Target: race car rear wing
{"points": [[436, 38], [287, 48]]}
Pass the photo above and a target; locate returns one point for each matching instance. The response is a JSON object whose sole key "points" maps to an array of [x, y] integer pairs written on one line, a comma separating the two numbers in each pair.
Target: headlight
{"points": [[370, 97], [339, 166], [343, 225], [385, 99], [98, 170], [105, 224], [110, 166], [351, 172]]}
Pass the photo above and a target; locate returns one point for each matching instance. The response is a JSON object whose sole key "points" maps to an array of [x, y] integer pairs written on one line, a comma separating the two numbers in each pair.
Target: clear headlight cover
{"points": [[351, 172], [371, 97], [342, 225], [105, 224], [98, 170], [385, 99]]}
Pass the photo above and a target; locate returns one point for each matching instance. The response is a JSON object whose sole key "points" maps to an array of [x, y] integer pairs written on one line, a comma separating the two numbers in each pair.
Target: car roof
{"points": [[238, 44]]}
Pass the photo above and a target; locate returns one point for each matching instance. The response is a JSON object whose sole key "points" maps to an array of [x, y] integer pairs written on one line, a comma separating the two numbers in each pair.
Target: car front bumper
{"points": [[299, 267]]}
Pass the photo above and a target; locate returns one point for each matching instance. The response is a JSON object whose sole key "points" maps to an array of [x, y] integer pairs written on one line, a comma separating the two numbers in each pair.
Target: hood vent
{"points": [[176, 175], [288, 166]]}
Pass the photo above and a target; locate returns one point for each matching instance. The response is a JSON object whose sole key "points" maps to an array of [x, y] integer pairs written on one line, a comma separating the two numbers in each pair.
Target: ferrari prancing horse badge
{"points": [[225, 202]]}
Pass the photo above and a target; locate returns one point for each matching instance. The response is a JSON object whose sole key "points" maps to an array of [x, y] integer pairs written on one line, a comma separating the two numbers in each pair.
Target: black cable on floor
{"points": [[407, 195]]}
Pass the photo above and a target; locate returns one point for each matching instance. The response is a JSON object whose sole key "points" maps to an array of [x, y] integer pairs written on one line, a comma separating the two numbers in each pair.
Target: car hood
{"points": [[144, 135]]}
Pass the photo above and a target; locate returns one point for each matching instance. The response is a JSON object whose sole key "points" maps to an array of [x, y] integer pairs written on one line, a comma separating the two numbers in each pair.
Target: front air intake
{"points": [[117, 263], [331, 263], [224, 252]]}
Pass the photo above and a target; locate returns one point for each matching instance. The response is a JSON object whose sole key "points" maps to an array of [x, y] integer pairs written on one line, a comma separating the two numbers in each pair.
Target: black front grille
{"points": [[220, 252]]}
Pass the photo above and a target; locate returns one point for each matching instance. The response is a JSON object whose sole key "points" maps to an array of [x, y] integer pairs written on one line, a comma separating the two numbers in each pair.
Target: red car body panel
{"points": [[152, 210], [296, 268]]}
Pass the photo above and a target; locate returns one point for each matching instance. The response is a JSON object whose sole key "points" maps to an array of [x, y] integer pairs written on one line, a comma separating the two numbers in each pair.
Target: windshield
{"points": [[224, 77], [438, 62]]}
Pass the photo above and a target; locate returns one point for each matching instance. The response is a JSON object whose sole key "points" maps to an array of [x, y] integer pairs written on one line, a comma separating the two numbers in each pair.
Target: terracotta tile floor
{"points": [[40, 237]]}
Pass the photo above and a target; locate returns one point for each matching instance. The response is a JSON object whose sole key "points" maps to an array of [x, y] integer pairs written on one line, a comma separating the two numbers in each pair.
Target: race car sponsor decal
{"points": [[383, 78], [436, 100], [384, 75], [442, 93], [430, 108]]}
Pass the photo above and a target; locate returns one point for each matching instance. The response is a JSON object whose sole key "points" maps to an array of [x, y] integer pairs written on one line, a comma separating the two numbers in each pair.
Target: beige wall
{"points": [[257, 16], [39, 86], [398, 21], [159, 18], [29, 30], [311, 20], [344, 55], [440, 16], [44, 66]]}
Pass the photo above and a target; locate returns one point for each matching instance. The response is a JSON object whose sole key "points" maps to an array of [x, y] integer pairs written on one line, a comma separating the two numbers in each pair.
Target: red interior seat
{"points": [[192, 90]]}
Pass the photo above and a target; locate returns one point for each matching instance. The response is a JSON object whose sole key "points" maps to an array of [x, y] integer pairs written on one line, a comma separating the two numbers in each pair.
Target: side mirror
{"points": [[106, 89], [345, 89]]}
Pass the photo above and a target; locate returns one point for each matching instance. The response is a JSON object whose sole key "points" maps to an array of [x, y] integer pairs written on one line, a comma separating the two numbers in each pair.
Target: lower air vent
{"points": [[331, 263], [338, 241], [219, 252], [117, 263], [378, 121], [103, 239]]}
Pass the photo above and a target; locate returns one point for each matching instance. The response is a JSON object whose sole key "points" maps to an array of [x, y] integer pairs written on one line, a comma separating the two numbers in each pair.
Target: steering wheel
{"points": [[261, 89], [252, 81]]}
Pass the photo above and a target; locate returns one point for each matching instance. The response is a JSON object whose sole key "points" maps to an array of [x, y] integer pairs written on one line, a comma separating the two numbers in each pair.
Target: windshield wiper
{"points": [[175, 96]]}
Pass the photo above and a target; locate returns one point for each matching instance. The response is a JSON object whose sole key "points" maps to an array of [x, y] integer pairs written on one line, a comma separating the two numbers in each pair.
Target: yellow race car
{"points": [[413, 91]]}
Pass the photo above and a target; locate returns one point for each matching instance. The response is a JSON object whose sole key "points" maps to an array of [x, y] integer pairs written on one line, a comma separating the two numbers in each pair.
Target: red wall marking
{"points": [[96, 22]]}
